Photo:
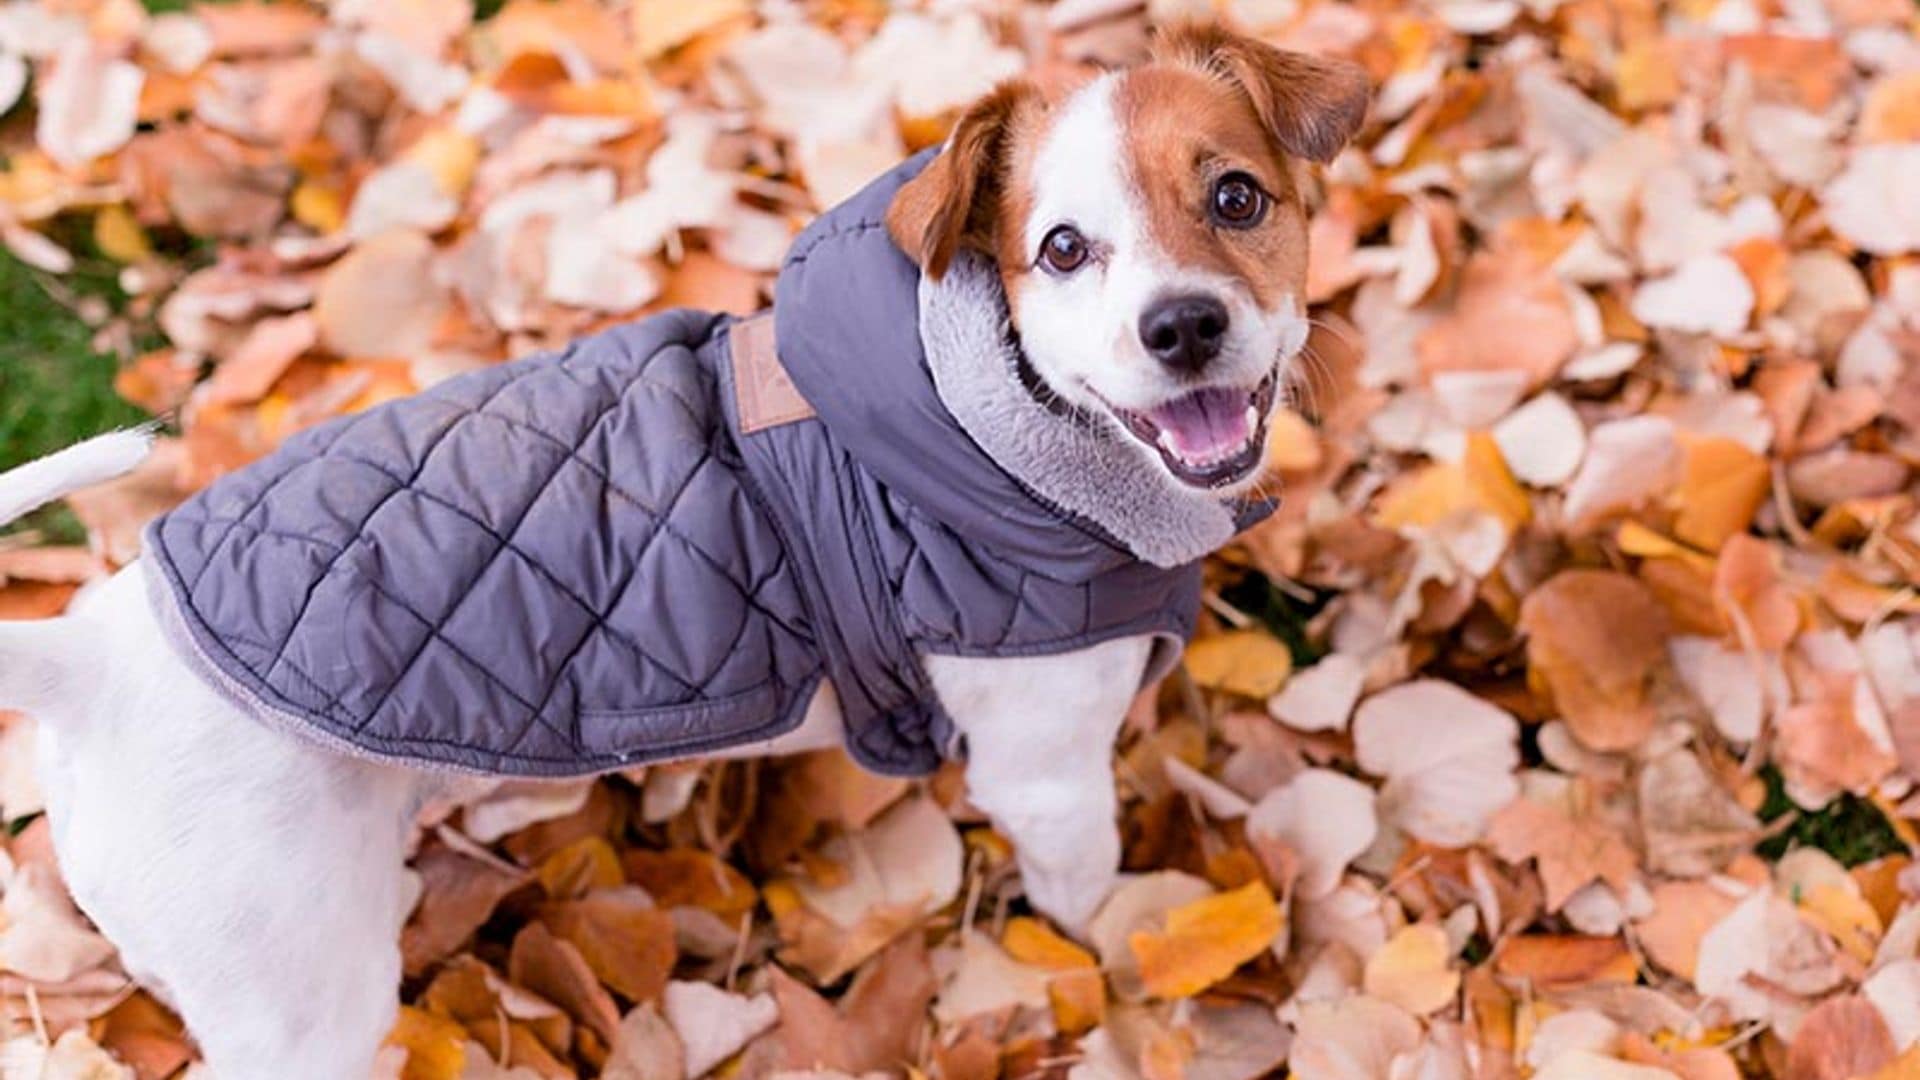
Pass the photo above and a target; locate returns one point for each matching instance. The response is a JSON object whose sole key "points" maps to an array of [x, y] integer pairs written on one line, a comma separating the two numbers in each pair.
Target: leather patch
{"points": [[763, 393]]}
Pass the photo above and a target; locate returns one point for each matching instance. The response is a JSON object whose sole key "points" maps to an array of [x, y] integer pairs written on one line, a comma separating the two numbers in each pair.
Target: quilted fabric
{"points": [[578, 561]]}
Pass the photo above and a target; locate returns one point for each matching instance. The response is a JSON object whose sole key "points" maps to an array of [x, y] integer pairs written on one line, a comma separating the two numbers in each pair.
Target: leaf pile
{"points": [[1600, 530]]}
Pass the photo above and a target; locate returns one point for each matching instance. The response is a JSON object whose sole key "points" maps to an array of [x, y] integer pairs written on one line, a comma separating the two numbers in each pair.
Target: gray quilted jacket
{"points": [[653, 544]]}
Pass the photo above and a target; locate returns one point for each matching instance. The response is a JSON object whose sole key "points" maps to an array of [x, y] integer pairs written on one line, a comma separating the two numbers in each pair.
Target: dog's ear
{"points": [[952, 202], [1311, 105]]}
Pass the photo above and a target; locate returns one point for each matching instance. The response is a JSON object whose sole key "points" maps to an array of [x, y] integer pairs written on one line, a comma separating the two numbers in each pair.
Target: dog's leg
{"points": [[1040, 733], [255, 880]]}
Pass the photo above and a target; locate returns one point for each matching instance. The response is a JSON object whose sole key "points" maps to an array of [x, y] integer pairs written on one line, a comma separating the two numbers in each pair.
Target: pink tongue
{"points": [[1205, 424]]}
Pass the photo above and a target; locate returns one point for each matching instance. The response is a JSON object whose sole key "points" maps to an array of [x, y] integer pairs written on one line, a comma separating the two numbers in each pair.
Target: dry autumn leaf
{"points": [[1250, 663], [1597, 641], [1203, 942]]}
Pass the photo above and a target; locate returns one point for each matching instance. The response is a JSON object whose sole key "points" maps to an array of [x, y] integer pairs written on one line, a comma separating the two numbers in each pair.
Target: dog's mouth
{"points": [[1210, 438]]}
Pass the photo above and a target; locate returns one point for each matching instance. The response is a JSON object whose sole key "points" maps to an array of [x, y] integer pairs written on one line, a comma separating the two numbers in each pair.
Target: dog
{"points": [[960, 481]]}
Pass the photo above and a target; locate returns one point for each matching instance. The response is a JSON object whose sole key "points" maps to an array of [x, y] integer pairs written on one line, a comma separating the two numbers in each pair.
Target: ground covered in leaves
{"points": [[1564, 723]]}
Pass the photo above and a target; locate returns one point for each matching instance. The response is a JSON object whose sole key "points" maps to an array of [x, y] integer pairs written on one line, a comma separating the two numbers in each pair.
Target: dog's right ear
{"points": [[953, 200]]}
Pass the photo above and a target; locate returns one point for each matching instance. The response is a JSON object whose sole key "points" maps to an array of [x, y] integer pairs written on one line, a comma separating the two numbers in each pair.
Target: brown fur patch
{"points": [[1182, 130], [956, 201]]}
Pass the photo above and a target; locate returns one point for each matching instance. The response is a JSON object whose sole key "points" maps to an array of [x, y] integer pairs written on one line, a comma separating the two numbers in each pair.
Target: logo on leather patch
{"points": [[763, 393]]}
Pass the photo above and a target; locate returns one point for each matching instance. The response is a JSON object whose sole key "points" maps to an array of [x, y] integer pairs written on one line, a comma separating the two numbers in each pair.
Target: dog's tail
{"points": [[99, 459], [32, 672]]}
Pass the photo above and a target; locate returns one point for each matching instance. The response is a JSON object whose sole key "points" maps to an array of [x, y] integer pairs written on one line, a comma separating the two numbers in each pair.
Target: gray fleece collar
{"points": [[1085, 470]]}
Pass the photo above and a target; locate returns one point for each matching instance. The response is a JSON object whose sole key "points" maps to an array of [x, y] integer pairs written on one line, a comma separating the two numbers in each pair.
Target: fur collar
{"points": [[1086, 470]]}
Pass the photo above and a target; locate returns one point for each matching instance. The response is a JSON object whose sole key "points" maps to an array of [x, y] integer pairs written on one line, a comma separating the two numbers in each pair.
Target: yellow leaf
{"points": [[1481, 482], [318, 206], [1079, 1000], [1722, 486], [1492, 484], [1411, 970], [586, 864], [1206, 940], [119, 237], [1292, 443], [450, 155], [1647, 75], [436, 1047], [1641, 542], [1424, 497], [1251, 663], [1846, 917], [1031, 941]]}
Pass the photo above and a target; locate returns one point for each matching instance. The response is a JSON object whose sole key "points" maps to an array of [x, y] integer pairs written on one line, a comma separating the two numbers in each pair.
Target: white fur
{"points": [[1081, 330], [256, 881], [98, 459]]}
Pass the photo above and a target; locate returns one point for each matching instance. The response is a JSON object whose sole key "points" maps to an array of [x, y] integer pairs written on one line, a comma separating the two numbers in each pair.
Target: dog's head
{"points": [[1150, 231]]}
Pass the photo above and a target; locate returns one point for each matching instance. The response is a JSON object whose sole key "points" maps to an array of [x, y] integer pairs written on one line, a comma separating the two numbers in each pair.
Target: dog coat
{"points": [[657, 542]]}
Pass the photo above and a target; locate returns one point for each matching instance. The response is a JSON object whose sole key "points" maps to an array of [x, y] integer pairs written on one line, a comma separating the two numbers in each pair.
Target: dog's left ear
{"points": [[1312, 106], [952, 202]]}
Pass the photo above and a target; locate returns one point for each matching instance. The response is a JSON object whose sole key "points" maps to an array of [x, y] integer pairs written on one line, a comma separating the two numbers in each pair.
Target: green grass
{"points": [[54, 388], [1849, 828], [1285, 614]]}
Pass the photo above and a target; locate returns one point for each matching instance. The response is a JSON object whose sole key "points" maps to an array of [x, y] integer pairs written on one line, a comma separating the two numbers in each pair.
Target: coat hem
{"points": [[178, 627]]}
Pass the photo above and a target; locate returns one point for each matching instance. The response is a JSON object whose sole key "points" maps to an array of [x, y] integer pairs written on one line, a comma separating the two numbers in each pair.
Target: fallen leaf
{"points": [[1865, 204], [1203, 941], [627, 941], [1722, 485], [1324, 818], [1447, 756], [88, 105], [713, 1024], [646, 1048], [1508, 314], [1413, 970], [1842, 1037], [1320, 697], [381, 299], [1250, 663], [1571, 846], [1356, 1038], [458, 894], [1597, 641], [1707, 294], [1683, 912]]}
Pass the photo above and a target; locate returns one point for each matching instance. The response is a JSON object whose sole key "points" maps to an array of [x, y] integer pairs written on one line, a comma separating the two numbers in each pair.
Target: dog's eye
{"points": [[1064, 250], [1238, 201]]}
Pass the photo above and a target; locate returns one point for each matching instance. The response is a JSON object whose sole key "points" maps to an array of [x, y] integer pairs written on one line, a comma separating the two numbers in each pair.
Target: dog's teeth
{"points": [[1253, 417], [1166, 441]]}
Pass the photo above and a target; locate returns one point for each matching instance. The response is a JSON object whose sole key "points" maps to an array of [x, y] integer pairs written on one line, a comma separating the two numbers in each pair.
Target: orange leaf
{"points": [[682, 877], [587, 864], [1206, 940], [627, 942], [1596, 639], [436, 1048], [1565, 960], [1683, 912], [1843, 1037], [1722, 486], [1250, 663], [1031, 941]]}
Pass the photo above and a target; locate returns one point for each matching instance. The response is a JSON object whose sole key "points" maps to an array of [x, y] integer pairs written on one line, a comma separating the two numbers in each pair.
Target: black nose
{"points": [[1184, 332]]}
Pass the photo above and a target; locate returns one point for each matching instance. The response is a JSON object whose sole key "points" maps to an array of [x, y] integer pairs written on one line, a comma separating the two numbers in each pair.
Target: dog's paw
{"points": [[1070, 897]]}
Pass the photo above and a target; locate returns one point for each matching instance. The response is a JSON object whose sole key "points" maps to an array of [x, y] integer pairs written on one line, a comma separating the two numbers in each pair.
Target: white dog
{"points": [[1105, 283]]}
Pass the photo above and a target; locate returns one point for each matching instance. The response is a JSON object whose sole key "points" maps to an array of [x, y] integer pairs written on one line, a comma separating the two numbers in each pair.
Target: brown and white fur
{"points": [[256, 881]]}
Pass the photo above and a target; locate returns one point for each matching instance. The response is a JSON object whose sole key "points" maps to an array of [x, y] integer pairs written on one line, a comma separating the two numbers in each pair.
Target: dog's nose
{"points": [[1184, 332]]}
